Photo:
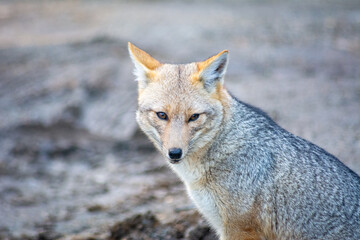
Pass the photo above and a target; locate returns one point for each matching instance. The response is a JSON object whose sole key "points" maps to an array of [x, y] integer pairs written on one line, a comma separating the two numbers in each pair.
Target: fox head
{"points": [[180, 107]]}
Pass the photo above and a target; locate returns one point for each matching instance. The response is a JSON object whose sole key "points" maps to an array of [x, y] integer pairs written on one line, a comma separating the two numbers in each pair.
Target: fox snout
{"points": [[175, 138], [175, 154]]}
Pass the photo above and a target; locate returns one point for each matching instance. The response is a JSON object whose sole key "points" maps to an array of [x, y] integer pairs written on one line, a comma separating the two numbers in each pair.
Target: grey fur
{"points": [[305, 192]]}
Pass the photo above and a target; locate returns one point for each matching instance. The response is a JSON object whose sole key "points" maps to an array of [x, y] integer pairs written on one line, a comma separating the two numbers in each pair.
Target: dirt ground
{"points": [[73, 163]]}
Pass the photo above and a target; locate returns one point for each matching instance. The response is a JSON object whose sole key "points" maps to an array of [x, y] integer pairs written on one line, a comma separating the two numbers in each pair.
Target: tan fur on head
{"points": [[212, 71], [145, 66], [203, 65], [143, 58]]}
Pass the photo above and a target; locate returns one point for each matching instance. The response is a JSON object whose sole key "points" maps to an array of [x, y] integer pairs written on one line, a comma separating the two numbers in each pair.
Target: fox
{"points": [[249, 177]]}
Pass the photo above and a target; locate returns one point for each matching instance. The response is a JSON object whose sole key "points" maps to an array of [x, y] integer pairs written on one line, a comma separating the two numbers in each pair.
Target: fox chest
{"points": [[205, 199], [206, 204], [202, 196]]}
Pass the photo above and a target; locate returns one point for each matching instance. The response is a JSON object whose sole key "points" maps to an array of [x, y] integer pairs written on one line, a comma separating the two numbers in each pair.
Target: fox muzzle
{"points": [[175, 154]]}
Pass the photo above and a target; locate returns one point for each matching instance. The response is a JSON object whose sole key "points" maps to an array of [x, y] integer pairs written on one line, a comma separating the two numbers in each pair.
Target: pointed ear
{"points": [[212, 70], [145, 65]]}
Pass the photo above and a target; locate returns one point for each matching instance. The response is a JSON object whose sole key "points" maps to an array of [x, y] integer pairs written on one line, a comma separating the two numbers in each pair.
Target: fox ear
{"points": [[145, 65], [212, 70]]}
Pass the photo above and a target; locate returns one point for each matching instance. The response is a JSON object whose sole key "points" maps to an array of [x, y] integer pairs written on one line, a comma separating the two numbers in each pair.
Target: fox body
{"points": [[250, 178]]}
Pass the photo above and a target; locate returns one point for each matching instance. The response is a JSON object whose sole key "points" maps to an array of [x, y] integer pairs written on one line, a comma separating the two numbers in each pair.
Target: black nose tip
{"points": [[175, 153]]}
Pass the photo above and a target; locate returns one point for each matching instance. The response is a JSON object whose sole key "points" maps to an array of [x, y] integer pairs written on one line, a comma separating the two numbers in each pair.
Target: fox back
{"points": [[250, 178]]}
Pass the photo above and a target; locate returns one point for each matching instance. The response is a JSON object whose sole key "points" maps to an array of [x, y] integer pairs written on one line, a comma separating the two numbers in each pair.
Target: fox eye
{"points": [[194, 117], [162, 115]]}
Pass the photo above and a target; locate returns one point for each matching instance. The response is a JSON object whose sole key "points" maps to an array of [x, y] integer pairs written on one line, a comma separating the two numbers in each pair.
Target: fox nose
{"points": [[175, 153]]}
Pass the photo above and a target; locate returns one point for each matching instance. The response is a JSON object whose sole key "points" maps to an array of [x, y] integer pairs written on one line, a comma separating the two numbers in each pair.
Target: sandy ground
{"points": [[74, 165]]}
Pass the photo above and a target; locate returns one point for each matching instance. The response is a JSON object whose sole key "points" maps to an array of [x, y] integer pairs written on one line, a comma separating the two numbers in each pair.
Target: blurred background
{"points": [[73, 163]]}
